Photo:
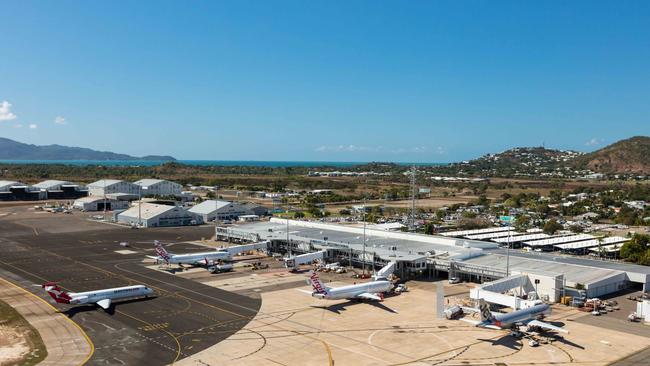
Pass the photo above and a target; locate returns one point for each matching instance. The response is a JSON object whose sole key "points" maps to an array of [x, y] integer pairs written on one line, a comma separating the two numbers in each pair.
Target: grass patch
{"points": [[10, 318]]}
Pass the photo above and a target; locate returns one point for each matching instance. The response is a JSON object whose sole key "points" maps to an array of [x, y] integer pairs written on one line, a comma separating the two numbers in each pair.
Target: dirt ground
{"points": [[20, 343]]}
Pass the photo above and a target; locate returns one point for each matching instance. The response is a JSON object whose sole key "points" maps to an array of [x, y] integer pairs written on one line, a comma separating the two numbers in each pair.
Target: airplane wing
{"points": [[152, 257], [477, 322], [473, 322], [368, 296], [305, 291], [105, 303], [537, 323]]}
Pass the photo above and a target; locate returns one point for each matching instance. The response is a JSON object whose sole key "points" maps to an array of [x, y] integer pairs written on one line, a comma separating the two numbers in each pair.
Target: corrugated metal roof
{"points": [[572, 273], [104, 183], [10, 183], [148, 211], [208, 207], [149, 182], [51, 183]]}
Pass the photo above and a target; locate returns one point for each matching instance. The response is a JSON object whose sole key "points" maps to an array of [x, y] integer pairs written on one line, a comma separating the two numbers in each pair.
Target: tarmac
{"points": [[65, 342], [258, 317], [185, 317], [293, 328]]}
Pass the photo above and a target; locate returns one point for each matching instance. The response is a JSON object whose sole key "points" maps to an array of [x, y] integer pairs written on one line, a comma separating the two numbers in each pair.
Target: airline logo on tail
{"points": [[319, 288], [57, 293], [486, 314], [161, 252]]}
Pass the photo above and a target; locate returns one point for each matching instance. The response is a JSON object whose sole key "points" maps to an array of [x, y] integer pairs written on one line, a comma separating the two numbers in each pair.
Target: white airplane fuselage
{"points": [[352, 291], [508, 320], [103, 297], [198, 258], [117, 293]]}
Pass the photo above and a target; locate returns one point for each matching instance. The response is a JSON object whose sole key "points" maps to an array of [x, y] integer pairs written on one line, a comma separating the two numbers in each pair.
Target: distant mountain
{"points": [[14, 150], [631, 156]]}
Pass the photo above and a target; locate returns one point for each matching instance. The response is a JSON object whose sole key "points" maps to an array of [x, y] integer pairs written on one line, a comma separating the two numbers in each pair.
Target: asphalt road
{"points": [[184, 318]]}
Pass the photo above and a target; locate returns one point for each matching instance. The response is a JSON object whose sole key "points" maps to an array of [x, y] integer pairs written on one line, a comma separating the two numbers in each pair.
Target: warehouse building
{"points": [[156, 215], [5, 185], [254, 209], [224, 210], [159, 187], [17, 191], [433, 255], [107, 186], [94, 203], [60, 189]]}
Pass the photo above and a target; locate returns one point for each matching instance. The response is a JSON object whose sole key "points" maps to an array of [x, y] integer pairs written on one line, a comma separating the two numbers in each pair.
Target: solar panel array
{"points": [[592, 243], [477, 231], [558, 240], [499, 234], [520, 238]]}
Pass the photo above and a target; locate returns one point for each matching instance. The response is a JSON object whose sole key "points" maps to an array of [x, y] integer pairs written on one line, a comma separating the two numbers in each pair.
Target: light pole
{"points": [[104, 199], [364, 239], [139, 205], [508, 255]]}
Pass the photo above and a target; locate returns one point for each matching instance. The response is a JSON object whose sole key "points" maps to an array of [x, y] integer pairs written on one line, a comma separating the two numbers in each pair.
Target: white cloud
{"points": [[594, 141], [60, 120], [347, 148], [439, 150], [33, 126], [5, 111]]}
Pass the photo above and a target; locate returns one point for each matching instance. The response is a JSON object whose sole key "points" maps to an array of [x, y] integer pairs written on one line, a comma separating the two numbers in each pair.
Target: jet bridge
{"points": [[534, 286], [234, 250]]}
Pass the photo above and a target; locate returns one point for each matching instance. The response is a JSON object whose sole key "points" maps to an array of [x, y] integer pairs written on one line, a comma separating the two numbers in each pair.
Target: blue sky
{"points": [[415, 81]]}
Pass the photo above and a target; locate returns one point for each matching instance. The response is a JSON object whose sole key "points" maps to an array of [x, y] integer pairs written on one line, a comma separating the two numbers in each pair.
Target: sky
{"points": [[402, 81]]}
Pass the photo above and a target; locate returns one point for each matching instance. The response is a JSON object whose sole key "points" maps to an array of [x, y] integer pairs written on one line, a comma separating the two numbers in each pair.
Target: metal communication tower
{"points": [[411, 220]]}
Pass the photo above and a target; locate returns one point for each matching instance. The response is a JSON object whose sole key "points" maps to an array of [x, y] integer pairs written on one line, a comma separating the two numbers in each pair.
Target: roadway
{"points": [[184, 318]]}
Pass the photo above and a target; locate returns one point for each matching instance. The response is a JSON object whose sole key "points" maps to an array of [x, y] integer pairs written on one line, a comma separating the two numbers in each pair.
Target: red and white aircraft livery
{"points": [[102, 298], [373, 290]]}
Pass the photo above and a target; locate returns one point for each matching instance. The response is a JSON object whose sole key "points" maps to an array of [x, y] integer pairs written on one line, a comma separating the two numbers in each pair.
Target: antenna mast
{"points": [[411, 220]]}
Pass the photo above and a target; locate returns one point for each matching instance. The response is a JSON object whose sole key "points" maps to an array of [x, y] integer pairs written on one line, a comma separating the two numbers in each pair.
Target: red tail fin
{"points": [[57, 293]]}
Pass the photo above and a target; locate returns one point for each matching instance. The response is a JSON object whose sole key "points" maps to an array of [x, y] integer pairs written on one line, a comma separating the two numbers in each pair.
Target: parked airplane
{"points": [[511, 320], [203, 258], [373, 290], [193, 259], [102, 298]]}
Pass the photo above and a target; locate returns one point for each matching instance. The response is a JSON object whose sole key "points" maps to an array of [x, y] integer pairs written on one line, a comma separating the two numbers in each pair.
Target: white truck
{"points": [[292, 263]]}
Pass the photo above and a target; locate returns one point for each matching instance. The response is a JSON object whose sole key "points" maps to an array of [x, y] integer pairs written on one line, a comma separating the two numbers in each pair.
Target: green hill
{"points": [[14, 150], [630, 156]]}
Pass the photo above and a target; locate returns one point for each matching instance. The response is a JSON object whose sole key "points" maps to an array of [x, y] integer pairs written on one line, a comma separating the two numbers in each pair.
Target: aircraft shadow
{"points": [[505, 341], [338, 308], [563, 340]]}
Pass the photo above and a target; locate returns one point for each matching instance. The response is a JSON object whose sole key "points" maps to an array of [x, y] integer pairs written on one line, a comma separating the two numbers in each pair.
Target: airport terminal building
{"points": [[433, 256]]}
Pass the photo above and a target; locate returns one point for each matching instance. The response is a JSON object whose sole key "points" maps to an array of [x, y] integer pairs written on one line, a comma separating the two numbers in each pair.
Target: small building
{"points": [[159, 187], [249, 218], [155, 215], [321, 191], [224, 210], [95, 203], [107, 186]]}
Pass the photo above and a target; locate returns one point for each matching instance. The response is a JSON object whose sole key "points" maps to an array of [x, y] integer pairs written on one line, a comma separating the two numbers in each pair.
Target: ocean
{"points": [[272, 164]]}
